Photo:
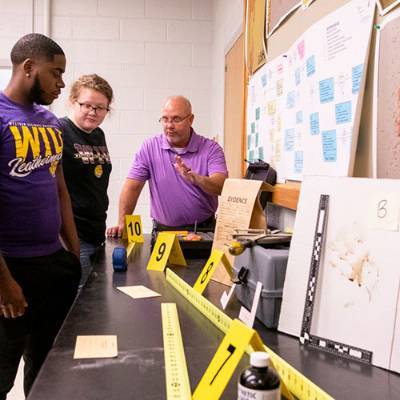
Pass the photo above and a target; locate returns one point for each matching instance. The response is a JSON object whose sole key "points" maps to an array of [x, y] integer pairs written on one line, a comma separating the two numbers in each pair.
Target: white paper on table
{"points": [[96, 346], [138, 292]]}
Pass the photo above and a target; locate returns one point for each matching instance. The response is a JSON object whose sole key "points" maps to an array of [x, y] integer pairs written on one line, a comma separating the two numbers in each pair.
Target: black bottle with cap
{"points": [[259, 381]]}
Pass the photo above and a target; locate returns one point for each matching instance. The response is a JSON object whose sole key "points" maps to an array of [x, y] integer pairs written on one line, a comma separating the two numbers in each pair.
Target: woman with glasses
{"points": [[86, 162]]}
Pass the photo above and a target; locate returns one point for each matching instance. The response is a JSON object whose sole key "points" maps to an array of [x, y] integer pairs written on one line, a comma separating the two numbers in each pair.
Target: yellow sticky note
{"points": [[96, 346], [166, 248], [133, 227], [225, 361], [207, 272]]}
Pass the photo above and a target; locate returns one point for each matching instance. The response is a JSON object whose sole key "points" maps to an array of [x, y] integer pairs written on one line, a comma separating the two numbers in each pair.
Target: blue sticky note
{"points": [[343, 112], [257, 135], [261, 153], [329, 145], [310, 65], [299, 117], [264, 80], [314, 123], [289, 139], [356, 75], [290, 100], [253, 127], [298, 162], [297, 76], [251, 156], [248, 141], [257, 113], [326, 91]]}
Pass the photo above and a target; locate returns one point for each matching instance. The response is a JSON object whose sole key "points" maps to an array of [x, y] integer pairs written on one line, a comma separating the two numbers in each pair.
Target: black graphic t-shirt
{"points": [[87, 167]]}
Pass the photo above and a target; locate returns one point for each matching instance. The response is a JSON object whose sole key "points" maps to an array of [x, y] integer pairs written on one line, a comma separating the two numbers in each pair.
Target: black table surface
{"points": [[138, 371]]}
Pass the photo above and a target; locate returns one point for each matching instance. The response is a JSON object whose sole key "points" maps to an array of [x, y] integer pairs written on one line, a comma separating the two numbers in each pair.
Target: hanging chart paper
{"points": [[303, 107]]}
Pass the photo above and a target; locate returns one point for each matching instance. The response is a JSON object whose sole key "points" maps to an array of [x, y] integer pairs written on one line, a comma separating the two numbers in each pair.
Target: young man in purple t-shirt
{"points": [[185, 171], [38, 277]]}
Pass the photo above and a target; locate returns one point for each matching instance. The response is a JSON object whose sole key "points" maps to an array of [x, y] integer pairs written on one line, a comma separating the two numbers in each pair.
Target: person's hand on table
{"points": [[115, 231]]}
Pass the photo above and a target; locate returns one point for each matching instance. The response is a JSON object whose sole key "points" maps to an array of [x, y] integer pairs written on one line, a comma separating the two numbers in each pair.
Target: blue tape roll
{"points": [[119, 259]]}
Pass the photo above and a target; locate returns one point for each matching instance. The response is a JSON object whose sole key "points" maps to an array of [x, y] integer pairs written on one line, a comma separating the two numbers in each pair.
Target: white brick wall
{"points": [[147, 50], [169, 9], [190, 31], [95, 28], [77, 8], [169, 53], [145, 30], [121, 8], [18, 7]]}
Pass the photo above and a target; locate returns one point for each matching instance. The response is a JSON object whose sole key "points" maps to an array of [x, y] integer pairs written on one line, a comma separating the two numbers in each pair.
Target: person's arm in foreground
{"points": [[127, 202], [12, 300], [69, 234]]}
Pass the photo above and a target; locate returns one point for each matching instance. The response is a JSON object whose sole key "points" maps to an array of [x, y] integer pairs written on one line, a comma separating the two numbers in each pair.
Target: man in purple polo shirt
{"points": [[38, 277], [185, 171]]}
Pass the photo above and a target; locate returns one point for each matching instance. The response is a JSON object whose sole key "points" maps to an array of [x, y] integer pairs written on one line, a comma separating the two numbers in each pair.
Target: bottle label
{"points": [[245, 393]]}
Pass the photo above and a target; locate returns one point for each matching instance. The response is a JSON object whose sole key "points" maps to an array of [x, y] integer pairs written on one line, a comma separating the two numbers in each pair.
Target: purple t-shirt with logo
{"points": [[174, 201], [30, 150]]}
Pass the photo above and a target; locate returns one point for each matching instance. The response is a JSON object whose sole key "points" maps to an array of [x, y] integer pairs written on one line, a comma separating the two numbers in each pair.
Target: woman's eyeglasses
{"points": [[98, 110]]}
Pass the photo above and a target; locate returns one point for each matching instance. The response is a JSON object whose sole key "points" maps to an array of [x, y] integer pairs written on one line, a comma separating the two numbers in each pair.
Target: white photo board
{"points": [[357, 295]]}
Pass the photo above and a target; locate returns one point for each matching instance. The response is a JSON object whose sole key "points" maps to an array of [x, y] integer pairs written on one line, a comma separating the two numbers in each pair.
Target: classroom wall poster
{"points": [[386, 136], [303, 107]]}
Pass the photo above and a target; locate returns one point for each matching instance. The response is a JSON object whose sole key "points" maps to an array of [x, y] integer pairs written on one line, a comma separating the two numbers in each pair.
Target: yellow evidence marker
{"points": [[226, 359], [133, 228], [166, 249], [215, 258]]}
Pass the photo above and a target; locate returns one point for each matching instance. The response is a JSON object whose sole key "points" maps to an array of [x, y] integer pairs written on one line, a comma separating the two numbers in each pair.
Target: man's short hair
{"points": [[34, 45]]}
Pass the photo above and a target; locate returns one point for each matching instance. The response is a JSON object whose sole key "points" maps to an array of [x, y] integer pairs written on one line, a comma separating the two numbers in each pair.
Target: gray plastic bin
{"points": [[267, 265]]}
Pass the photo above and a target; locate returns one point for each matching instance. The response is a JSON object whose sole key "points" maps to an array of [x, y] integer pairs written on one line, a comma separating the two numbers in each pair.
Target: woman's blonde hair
{"points": [[92, 81]]}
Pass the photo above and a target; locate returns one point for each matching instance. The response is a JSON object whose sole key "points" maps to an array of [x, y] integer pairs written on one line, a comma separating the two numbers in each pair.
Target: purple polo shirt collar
{"points": [[192, 146]]}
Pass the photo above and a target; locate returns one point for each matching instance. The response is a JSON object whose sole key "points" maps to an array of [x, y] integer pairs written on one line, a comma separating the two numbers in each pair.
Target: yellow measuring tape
{"points": [[296, 382], [176, 375]]}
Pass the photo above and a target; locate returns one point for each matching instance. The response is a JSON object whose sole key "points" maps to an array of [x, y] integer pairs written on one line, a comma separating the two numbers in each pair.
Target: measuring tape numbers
{"points": [[176, 374], [296, 382]]}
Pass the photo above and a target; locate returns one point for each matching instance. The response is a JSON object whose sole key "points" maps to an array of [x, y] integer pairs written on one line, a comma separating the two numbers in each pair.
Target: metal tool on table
{"points": [[246, 238]]}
